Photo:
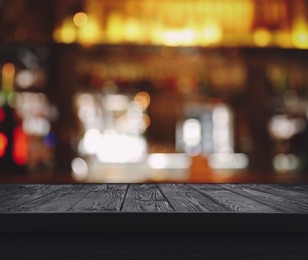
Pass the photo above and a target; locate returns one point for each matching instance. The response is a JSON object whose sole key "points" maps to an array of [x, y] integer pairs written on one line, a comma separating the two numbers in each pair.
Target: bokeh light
{"points": [[80, 19], [262, 37], [285, 162], [80, 169]]}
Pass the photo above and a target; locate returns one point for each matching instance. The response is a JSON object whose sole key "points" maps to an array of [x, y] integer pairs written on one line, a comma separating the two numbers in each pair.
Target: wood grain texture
{"points": [[283, 192], [9, 189], [103, 198], [117, 207], [17, 199], [50, 198], [301, 188], [217, 198], [145, 197], [263, 195], [235, 202], [184, 199], [64, 199]]}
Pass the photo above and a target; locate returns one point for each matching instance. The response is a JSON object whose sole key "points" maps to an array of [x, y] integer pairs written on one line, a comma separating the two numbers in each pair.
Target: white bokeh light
{"points": [[80, 169], [120, 148], [91, 141], [192, 132], [285, 162]]}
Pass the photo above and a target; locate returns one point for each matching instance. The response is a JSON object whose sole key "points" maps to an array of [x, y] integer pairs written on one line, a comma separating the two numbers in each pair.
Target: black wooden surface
{"points": [[178, 221], [158, 198], [154, 207], [102, 198]]}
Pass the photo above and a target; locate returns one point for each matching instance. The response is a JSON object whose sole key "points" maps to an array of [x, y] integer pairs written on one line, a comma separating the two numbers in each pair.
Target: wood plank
{"points": [[302, 188], [280, 203], [145, 197], [184, 199], [66, 200], [235, 202], [23, 202], [107, 197], [61, 199], [14, 201], [9, 189], [285, 192]]}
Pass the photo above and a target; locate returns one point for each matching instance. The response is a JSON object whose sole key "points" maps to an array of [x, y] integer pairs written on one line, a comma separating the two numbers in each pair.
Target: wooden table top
{"points": [[118, 207]]}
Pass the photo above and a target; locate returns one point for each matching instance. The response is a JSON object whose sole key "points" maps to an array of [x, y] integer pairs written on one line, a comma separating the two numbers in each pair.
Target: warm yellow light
{"points": [[68, 35], [188, 23], [262, 37], [212, 34], [178, 37], [80, 19], [90, 32], [115, 27], [132, 30], [300, 39], [171, 38], [300, 34], [242, 15], [283, 39], [68, 31], [189, 36]]}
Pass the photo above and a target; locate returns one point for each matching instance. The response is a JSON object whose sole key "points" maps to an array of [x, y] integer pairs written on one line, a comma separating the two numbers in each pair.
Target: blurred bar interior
{"points": [[153, 91]]}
